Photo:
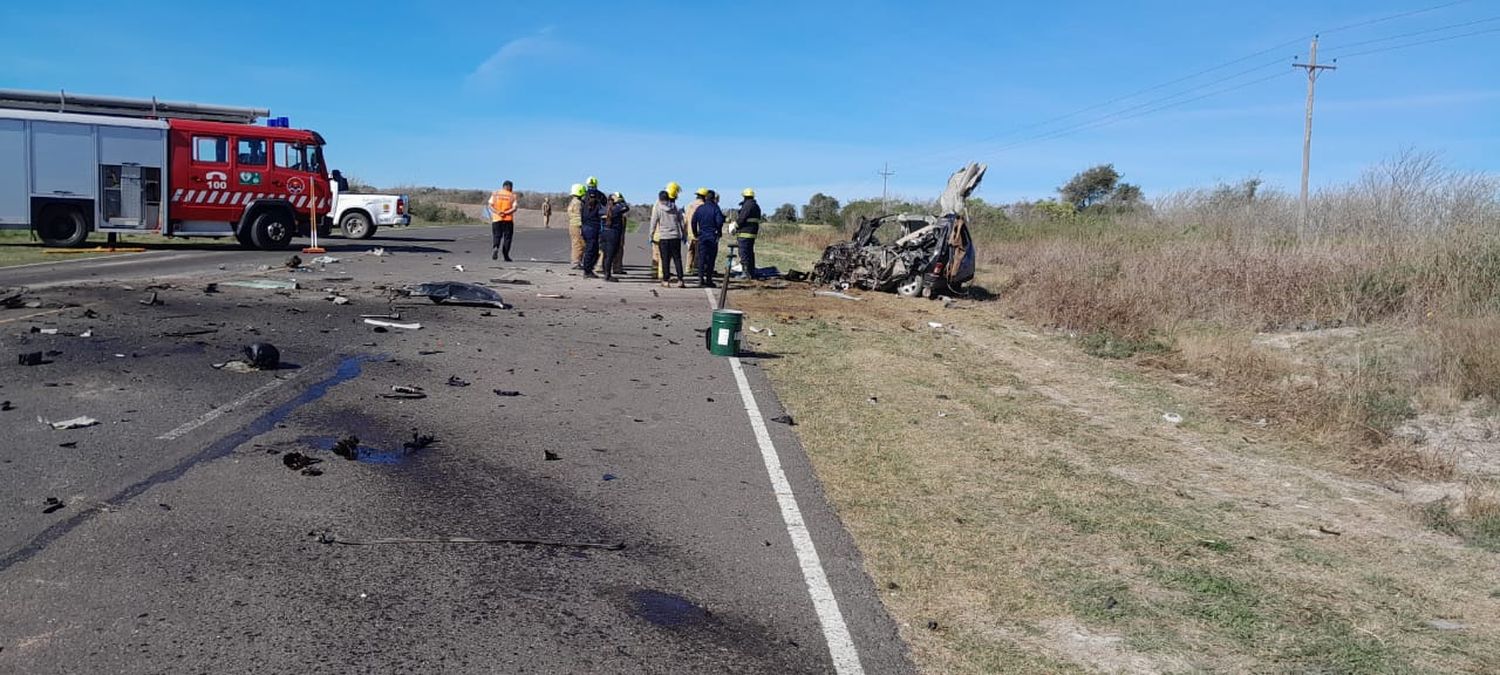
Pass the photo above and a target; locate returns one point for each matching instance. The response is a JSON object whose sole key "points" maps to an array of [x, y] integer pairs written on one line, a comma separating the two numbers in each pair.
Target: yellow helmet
{"points": [[577, 190], [673, 189], [593, 182], [702, 192], [749, 192], [617, 197]]}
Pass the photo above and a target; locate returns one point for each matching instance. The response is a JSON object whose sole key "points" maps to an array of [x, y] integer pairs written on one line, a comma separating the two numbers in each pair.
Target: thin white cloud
{"points": [[504, 61]]}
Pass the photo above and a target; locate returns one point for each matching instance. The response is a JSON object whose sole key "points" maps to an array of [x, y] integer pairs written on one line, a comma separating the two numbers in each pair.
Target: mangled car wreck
{"points": [[928, 256]]}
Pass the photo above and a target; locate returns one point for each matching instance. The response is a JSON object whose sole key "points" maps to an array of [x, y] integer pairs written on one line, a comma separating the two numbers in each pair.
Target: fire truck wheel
{"points": [[357, 226], [242, 235], [272, 231], [62, 226]]}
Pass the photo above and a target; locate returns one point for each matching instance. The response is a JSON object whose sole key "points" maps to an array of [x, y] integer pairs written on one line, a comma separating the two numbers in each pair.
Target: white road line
{"points": [[835, 631], [220, 411]]}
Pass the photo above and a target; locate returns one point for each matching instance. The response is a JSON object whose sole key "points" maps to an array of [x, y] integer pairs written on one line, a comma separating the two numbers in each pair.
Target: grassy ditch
{"points": [[1025, 507], [1202, 437]]}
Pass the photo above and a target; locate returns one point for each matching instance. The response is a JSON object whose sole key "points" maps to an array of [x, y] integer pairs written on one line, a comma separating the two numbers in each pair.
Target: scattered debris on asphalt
{"points": [[456, 381], [6, 406], [153, 300], [330, 538], [403, 391], [338, 299], [185, 333], [325, 260], [836, 294], [458, 268], [235, 366], [393, 316], [506, 392], [347, 447], [513, 282], [75, 423], [43, 331], [12, 298], [550, 456], [293, 262], [263, 284], [30, 359], [418, 441], [263, 356], [297, 461], [210, 289], [70, 445], [53, 504], [610, 476], [87, 334], [785, 419], [378, 252], [387, 324], [552, 296]]}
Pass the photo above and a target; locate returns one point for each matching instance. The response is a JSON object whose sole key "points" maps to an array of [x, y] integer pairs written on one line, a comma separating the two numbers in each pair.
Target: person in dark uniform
{"points": [[613, 234], [708, 226], [594, 205], [747, 230]]}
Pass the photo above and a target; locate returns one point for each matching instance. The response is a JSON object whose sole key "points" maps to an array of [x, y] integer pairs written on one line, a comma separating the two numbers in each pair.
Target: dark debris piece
{"points": [[347, 447], [550, 456], [30, 359], [297, 461], [507, 392], [418, 441], [456, 381], [785, 419], [53, 504], [6, 406]]}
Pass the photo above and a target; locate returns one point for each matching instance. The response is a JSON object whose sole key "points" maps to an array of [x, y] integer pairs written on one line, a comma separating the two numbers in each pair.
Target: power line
{"points": [[1419, 32], [1384, 19], [1104, 122], [1165, 102], [1418, 44]]}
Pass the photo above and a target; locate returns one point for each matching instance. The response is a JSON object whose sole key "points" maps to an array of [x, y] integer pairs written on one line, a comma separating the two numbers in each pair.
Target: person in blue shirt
{"points": [[613, 233], [594, 205], [708, 226]]}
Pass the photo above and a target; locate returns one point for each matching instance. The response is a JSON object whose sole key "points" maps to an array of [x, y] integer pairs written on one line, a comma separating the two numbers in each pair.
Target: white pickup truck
{"points": [[359, 215]]}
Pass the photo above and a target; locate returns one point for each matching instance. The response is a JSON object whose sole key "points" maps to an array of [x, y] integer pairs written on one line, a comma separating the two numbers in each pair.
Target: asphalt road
{"points": [[184, 544]]}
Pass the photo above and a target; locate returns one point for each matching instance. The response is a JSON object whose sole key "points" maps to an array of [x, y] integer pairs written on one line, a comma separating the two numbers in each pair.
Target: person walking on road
{"points": [[699, 197], [503, 220], [708, 226], [667, 230], [575, 223], [547, 212], [613, 234], [594, 205], [747, 230]]}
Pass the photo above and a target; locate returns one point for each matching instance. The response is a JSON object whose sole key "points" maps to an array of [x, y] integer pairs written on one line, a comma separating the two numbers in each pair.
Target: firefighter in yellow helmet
{"points": [[699, 197], [672, 190], [747, 230], [575, 223]]}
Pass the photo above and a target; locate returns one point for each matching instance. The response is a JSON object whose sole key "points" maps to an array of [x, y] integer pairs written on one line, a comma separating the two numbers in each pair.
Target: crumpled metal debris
{"points": [[263, 356], [928, 256], [75, 423], [456, 293]]}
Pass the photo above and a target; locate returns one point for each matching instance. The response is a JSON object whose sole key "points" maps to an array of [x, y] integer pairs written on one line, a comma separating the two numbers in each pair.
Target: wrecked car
{"points": [[926, 256]]}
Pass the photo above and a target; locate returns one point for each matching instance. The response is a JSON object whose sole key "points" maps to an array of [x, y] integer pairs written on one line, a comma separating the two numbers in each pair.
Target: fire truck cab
{"points": [[261, 185], [74, 165]]}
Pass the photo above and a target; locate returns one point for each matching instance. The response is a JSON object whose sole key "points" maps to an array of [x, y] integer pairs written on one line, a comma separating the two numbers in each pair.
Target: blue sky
{"points": [[792, 97]]}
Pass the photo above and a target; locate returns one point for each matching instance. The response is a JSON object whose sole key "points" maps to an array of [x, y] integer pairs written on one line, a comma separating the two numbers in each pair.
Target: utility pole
{"points": [[885, 181], [1313, 68]]}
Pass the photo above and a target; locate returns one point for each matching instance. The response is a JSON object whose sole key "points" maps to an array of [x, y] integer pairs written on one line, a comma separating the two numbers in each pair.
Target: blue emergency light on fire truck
{"points": [[75, 165]]}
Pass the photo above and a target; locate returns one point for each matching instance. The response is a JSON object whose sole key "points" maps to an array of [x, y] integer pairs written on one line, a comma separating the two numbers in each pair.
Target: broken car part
{"points": [[456, 293]]}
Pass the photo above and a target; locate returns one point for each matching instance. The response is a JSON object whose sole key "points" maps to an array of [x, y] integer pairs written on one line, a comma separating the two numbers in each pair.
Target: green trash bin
{"points": [[725, 335]]}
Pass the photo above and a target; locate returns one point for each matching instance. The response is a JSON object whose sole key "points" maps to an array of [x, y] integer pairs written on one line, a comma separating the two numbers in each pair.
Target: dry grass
{"points": [[1031, 501]]}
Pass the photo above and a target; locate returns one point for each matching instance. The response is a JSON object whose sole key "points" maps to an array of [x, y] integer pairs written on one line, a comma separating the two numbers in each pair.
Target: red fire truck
{"points": [[85, 164]]}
